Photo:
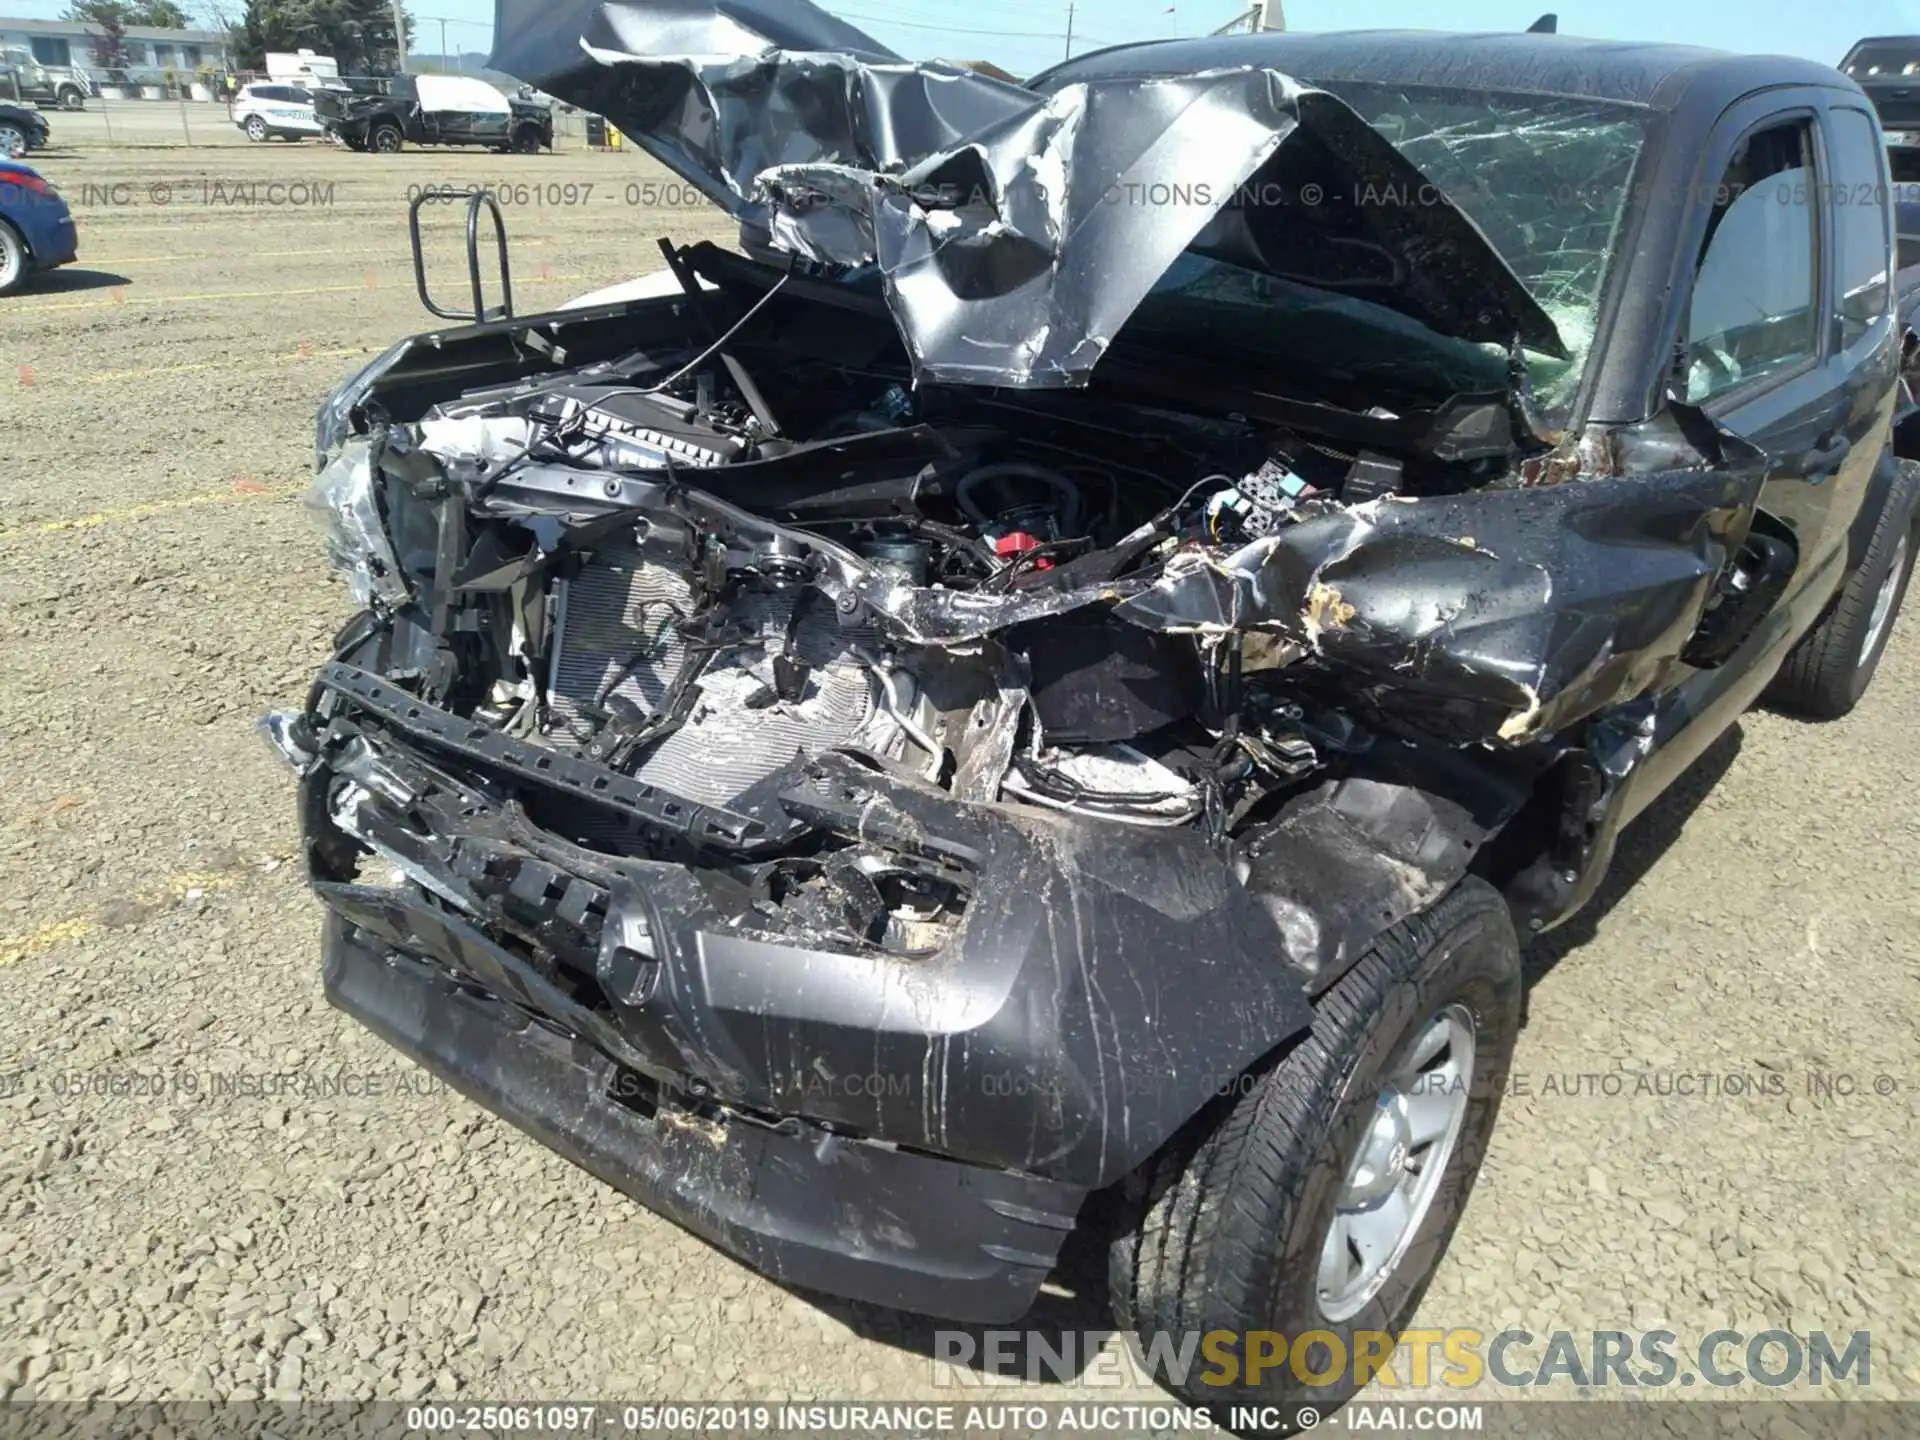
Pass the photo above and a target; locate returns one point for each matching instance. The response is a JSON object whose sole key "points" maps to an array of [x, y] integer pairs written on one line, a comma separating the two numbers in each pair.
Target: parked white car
{"points": [[264, 111]]}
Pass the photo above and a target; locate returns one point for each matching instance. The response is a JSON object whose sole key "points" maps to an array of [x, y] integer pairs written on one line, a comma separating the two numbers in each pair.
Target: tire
{"points": [[384, 139], [13, 140], [70, 98], [257, 130], [1834, 663], [526, 141], [15, 263], [1228, 1228]]}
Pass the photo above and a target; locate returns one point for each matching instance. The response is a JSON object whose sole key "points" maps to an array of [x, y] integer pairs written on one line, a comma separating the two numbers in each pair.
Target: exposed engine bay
{"points": [[678, 576], [704, 662], [693, 582]]}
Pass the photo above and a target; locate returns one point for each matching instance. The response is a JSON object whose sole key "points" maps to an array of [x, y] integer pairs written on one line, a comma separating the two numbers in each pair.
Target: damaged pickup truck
{"points": [[1045, 691]]}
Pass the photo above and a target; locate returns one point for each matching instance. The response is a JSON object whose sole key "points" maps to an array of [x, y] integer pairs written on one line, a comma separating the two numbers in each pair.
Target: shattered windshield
{"points": [[1546, 179]]}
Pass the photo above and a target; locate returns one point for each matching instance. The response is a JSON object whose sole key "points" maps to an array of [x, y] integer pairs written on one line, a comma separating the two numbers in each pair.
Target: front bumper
{"points": [[916, 1130], [52, 237], [64, 248], [806, 1207]]}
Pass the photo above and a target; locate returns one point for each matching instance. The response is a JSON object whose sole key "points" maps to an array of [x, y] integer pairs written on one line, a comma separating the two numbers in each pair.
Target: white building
{"points": [[151, 52]]}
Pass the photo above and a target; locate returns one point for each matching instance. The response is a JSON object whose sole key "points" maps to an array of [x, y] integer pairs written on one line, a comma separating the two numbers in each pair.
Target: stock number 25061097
{"points": [[530, 194], [532, 1419]]}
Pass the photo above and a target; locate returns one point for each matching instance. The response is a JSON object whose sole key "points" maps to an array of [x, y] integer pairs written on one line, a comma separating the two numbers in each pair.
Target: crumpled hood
{"points": [[1015, 232]]}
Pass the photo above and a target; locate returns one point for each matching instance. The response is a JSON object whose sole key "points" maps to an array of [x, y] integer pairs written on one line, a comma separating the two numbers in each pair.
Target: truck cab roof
{"points": [[1660, 77]]}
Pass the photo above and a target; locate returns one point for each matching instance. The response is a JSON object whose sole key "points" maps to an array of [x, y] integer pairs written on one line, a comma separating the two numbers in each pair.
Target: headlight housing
{"points": [[345, 500], [333, 426]]}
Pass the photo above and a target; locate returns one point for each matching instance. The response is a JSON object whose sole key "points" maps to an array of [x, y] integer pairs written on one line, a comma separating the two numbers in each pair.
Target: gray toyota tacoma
{"points": [[1045, 691]]}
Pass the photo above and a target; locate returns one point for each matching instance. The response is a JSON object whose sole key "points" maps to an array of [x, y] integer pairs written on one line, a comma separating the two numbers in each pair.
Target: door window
{"points": [[1754, 310], [1861, 222]]}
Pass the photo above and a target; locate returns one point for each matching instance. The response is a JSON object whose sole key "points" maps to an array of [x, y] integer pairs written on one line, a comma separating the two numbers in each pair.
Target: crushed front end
{"points": [[826, 760], [853, 887]]}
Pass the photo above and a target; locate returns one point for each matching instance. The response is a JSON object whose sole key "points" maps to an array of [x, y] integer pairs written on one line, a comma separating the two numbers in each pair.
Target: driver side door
{"points": [[1777, 344]]}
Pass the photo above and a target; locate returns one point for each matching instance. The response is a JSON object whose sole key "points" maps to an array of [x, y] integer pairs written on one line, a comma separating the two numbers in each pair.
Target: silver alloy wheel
{"points": [[256, 129], [1883, 604], [13, 259], [1395, 1172], [13, 141]]}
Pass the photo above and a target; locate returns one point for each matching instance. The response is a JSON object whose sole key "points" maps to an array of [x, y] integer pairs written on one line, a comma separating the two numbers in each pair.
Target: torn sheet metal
{"points": [[721, 90], [1503, 614], [1015, 232]]}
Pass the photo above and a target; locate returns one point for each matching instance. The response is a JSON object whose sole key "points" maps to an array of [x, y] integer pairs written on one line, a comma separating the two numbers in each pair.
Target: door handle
{"points": [[1827, 456]]}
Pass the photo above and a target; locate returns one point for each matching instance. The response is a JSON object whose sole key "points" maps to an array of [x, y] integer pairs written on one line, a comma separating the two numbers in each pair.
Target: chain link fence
{"points": [[149, 117]]}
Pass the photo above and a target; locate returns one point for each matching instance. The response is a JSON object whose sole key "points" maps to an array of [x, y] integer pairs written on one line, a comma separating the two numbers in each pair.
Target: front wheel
{"points": [[15, 265], [526, 141], [13, 141], [384, 140], [71, 99], [1830, 669], [256, 129], [1317, 1200]]}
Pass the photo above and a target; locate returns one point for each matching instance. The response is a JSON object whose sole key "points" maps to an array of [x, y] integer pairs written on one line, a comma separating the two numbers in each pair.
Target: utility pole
{"points": [[1070, 29], [399, 38], [443, 41]]}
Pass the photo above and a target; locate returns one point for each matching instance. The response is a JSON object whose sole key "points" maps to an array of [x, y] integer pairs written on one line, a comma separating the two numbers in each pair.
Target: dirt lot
{"points": [[1716, 1106]]}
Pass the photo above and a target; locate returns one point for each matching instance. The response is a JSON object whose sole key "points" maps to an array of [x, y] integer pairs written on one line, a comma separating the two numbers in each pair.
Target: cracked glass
{"points": [[1546, 179]]}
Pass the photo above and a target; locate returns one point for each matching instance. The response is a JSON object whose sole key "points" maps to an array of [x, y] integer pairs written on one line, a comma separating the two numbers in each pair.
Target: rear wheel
{"points": [[1834, 663], [384, 139], [15, 264], [256, 129], [1316, 1203]]}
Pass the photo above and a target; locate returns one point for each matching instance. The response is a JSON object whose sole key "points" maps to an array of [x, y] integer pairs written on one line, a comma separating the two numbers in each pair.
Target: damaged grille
{"points": [[620, 646]]}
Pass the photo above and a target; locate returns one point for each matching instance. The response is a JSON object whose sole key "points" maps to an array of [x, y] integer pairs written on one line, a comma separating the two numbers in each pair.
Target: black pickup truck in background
{"points": [[1887, 67], [433, 110]]}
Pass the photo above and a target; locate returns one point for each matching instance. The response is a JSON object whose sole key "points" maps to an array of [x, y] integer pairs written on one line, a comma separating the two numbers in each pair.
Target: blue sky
{"points": [[1025, 35]]}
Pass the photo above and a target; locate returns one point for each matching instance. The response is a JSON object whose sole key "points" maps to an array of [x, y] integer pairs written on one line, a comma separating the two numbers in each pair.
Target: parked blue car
{"points": [[36, 228]]}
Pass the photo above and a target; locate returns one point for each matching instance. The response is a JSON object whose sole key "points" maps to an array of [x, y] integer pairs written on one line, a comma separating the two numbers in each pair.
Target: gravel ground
{"points": [[191, 1206]]}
